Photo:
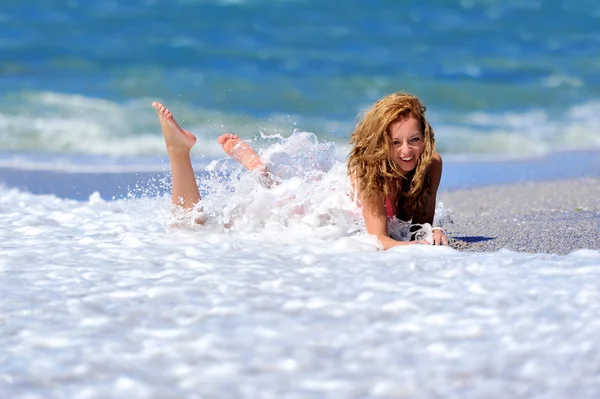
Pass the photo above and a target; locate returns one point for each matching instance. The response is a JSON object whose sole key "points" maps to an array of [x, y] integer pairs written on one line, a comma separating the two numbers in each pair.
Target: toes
{"points": [[159, 107], [162, 110], [225, 138], [165, 111]]}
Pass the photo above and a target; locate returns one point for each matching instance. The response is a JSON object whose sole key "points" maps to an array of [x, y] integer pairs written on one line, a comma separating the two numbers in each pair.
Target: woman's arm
{"points": [[376, 221], [434, 172]]}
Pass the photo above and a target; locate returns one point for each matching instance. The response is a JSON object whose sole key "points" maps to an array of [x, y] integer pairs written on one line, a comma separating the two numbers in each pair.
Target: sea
{"points": [[106, 293]]}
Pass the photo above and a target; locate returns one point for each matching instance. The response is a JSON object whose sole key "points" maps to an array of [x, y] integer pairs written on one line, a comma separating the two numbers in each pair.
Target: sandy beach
{"points": [[554, 216]]}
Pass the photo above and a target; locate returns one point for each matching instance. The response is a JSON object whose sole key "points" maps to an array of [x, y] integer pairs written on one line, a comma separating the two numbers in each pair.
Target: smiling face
{"points": [[407, 144]]}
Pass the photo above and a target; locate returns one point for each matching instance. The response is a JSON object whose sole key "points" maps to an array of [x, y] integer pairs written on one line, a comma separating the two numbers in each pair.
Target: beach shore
{"points": [[553, 216]]}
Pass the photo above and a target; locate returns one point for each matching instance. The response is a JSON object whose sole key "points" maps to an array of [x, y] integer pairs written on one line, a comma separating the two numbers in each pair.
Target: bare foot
{"points": [[240, 151], [175, 137]]}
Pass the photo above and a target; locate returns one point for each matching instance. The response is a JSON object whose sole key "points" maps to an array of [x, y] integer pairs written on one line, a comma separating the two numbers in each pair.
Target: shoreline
{"points": [[558, 216], [128, 178], [536, 205]]}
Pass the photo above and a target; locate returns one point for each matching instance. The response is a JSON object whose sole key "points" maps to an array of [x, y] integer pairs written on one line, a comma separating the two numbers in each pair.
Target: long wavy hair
{"points": [[370, 162]]}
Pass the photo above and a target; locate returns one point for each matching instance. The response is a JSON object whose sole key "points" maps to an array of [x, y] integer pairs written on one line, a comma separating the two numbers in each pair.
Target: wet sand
{"points": [[554, 216]]}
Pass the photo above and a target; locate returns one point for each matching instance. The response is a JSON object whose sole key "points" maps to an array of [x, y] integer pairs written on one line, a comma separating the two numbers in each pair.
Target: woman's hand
{"points": [[418, 242], [439, 237]]}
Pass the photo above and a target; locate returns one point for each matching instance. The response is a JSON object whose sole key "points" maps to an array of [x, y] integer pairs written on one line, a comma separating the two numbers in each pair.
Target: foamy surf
{"points": [[106, 299], [280, 292]]}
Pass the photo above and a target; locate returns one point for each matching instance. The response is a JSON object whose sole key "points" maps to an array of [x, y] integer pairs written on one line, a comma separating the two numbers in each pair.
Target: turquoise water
{"points": [[499, 77]]}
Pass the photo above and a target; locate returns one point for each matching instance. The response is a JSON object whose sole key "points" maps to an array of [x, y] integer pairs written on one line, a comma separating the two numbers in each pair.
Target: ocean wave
{"points": [[72, 125], [46, 122], [534, 132]]}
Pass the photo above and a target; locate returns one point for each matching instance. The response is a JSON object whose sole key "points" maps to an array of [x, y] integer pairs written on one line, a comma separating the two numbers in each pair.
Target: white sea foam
{"points": [[108, 299], [104, 299]]}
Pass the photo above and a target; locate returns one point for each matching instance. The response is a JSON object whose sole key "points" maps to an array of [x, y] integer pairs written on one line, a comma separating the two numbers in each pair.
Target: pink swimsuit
{"points": [[389, 209]]}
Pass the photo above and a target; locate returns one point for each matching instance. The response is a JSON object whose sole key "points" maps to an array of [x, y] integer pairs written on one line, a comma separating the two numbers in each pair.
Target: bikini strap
{"points": [[388, 208]]}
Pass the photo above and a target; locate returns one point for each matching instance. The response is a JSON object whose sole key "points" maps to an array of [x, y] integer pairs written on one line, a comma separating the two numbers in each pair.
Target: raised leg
{"points": [[245, 155], [179, 142], [240, 151]]}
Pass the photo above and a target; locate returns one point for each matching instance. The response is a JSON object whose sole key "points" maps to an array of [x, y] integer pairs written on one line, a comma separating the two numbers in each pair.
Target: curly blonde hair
{"points": [[370, 163]]}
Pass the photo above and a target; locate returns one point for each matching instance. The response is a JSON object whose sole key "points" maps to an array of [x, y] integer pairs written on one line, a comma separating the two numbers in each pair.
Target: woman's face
{"points": [[407, 142]]}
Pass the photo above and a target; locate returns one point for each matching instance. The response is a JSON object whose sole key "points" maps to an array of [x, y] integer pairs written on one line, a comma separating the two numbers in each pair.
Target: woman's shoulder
{"points": [[436, 164], [434, 171]]}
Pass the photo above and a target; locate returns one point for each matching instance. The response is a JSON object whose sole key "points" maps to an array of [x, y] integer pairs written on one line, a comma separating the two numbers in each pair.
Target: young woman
{"points": [[395, 168], [393, 164]]}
